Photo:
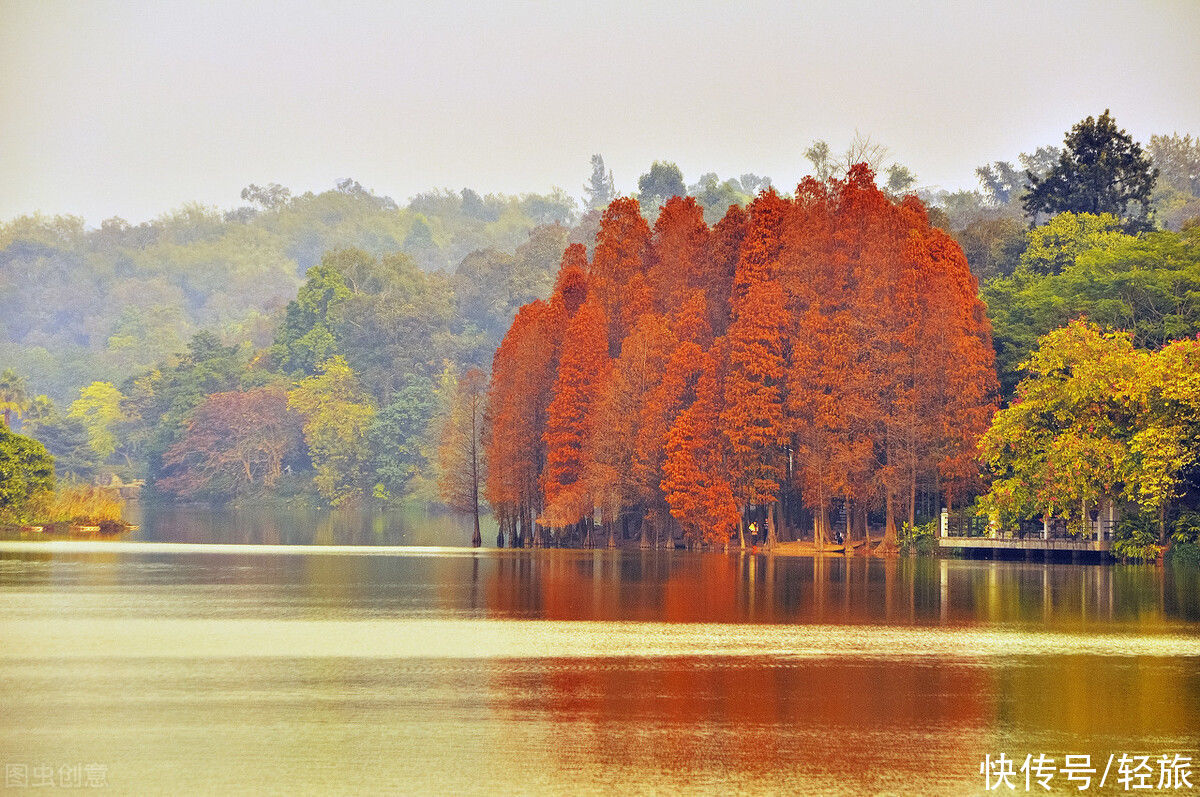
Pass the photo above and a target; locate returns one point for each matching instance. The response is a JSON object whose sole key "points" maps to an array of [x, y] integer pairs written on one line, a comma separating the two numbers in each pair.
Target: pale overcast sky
{"points": [[133, 109]]}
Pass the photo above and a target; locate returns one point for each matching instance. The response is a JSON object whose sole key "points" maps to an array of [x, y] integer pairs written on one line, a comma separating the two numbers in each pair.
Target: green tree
{"points": [[900, 180], [1102, 170], [1001, 181], [1148, 285], [1177, 159], [1064, 444], [65, 438], [663, 181], [270, 197], [305, 338], [716, 196], [14, 396], [398, 438], [98, 408], [26, 469], [157, 402], [384, 316], [600, 189], [1177, 194], [1054, 246], [993, 246], [337, 414]]}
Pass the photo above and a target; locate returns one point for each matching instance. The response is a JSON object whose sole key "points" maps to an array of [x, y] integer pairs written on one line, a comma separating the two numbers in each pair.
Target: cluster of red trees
{"points": [[826, 351], [231, 443]]}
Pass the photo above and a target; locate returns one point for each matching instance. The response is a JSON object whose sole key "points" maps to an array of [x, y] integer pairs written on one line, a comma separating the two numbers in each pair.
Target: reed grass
{"points": [[78, 504]]}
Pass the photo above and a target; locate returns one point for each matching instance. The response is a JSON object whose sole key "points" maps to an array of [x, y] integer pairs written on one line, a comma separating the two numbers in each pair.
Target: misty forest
{"points": [[714, 363]]}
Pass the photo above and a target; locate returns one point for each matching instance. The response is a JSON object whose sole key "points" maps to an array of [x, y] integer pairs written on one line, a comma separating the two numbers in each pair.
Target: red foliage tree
{"points": [[619, 420], [233, 443], [583, 372], [695, 473], [724, 250], [677, 256], [617, 277], [522, 381], [753, 412], [683, 376]]}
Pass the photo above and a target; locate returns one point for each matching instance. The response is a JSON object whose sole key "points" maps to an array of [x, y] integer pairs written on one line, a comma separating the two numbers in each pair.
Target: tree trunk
{"points": [[644, 542], [849, 531], [912, 499], [476, 539], [771, 538], [888, 546]]}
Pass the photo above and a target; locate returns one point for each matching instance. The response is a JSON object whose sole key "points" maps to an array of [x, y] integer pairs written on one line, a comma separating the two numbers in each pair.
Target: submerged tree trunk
{"points": [[889, 545], [860, 521], [647, 519], [849, 532]]}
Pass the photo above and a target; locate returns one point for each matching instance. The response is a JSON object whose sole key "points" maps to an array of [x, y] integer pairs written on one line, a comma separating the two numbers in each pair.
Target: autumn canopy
{"points": [[805, 359]]}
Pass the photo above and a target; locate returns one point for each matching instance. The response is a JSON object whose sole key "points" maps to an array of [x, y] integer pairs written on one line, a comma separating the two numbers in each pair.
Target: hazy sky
{"points": [[132, 109]]}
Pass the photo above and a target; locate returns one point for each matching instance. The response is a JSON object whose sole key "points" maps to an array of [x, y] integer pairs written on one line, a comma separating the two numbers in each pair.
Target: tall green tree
{"points": [[305, 338], [398, 437], [1101, 170]]}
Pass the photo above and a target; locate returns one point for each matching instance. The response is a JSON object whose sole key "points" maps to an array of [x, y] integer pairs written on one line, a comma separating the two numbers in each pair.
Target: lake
{"points": [[349, 653]]}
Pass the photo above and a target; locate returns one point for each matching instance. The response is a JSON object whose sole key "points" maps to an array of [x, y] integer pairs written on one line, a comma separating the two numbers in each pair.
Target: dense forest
{"points": [[339, 345]]}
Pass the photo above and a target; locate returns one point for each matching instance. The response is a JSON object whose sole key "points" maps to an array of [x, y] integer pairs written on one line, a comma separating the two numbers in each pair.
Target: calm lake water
{"points": [[185, 660]]}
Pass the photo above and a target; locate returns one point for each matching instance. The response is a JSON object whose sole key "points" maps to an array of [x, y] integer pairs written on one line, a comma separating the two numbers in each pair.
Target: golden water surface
{"points": [[200, 668]]}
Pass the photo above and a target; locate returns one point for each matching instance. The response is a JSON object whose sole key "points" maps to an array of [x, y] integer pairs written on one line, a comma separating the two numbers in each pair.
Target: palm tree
{"points": [[14, 399]]}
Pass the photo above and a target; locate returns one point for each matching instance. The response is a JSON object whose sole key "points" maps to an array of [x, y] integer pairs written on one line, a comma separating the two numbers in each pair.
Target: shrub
{"points": [[1136, 538], [1185, 540], [1186, 554], [1186, 528], [919, 540]]}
